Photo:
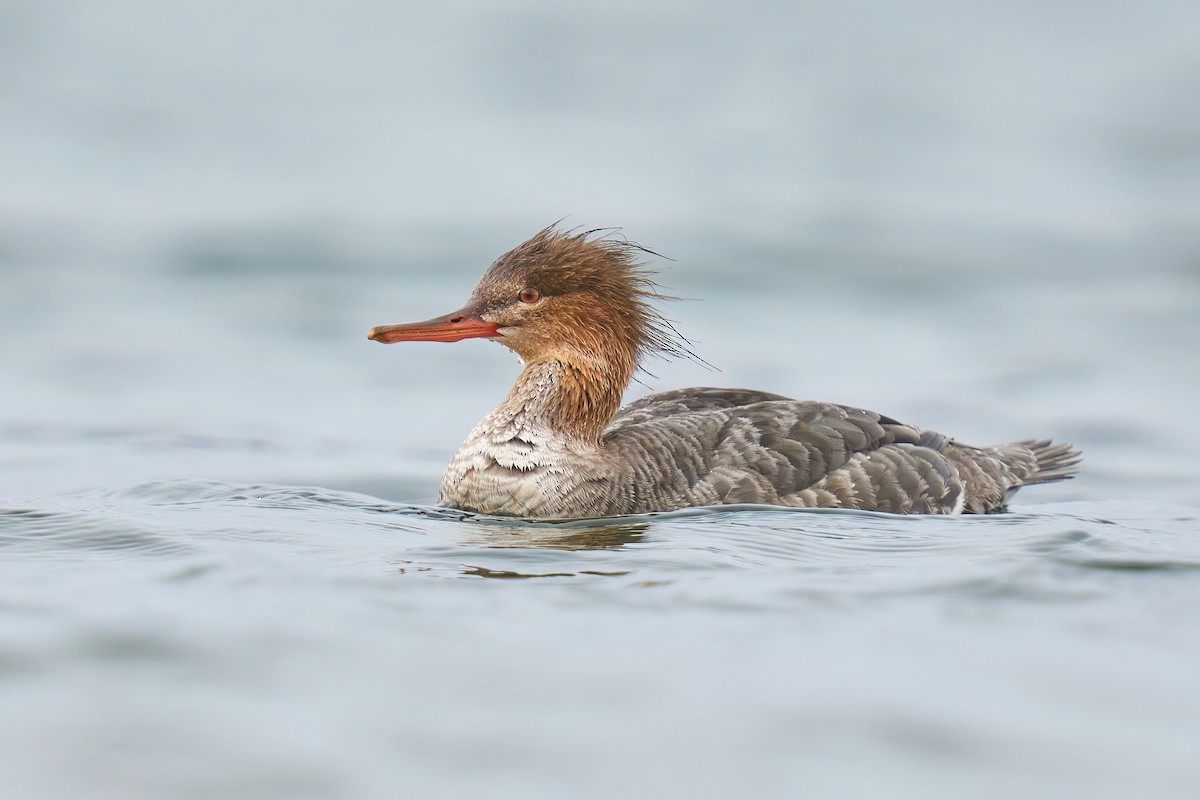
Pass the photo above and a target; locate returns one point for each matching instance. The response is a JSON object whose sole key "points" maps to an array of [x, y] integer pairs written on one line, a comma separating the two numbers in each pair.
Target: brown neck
{"points": [[568, 393]]}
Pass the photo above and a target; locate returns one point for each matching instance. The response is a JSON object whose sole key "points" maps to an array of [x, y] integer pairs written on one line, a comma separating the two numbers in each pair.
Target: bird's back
{"points": [[708, 446]]}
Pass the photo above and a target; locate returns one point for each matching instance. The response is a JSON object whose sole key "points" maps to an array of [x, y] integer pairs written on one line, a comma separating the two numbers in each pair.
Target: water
{"points": [[221, 572]]}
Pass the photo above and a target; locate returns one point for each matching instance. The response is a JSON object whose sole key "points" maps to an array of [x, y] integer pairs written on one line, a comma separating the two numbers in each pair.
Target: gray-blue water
{"points": [[221, 570]]}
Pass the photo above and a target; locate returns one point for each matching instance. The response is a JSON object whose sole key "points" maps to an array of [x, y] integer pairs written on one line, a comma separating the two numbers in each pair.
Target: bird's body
{"points": [[575, 309]]}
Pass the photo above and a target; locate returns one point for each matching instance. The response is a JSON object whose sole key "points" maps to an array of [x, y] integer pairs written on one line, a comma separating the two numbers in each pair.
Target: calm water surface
{"points": [[221, 570]]}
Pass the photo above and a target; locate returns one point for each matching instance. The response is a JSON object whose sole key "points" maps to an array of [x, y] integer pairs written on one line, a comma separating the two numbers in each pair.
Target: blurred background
{"points": [[911, 207], [979, 217]]}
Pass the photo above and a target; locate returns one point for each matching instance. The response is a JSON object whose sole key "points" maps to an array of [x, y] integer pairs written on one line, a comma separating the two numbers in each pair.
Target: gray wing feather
{"points": [[711, 446]]}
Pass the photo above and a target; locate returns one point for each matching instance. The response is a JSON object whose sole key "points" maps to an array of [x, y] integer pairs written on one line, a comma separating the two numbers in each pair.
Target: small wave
{"points": [[1133, 564], [41, 530], [825, 552], [184, 492]]}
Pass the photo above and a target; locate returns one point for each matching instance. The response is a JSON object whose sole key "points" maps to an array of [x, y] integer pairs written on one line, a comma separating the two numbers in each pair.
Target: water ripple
{"points": [[32, 531], [787, 552]]}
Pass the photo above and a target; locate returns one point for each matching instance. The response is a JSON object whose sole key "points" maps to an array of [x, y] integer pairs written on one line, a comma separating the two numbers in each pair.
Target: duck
{"points": [[580, 310]]}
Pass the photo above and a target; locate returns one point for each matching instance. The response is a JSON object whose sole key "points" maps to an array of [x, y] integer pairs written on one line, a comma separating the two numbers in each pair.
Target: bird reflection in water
{"points": [[593, 536], [569, 537]]}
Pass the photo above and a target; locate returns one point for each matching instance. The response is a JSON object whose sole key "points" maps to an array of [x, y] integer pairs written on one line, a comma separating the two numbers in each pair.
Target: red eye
{"points": [[529, 295]]}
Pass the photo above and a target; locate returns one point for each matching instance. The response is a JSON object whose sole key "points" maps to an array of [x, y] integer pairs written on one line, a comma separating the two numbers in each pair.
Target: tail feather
{"points": [[1056, 461]]}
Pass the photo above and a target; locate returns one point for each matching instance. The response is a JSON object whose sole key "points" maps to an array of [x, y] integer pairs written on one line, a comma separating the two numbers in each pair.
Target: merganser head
{"points": [[560, 295]]}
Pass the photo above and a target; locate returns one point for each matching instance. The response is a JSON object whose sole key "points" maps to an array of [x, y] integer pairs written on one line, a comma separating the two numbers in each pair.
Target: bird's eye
{"points": [[529, 295]]}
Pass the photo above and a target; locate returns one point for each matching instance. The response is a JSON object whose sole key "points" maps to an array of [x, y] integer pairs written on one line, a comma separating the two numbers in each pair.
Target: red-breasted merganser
{"points": [[577, 310]]}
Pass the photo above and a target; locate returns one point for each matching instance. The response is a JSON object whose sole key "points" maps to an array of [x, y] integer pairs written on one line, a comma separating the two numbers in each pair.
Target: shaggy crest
{"points": [[608, 266]]}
